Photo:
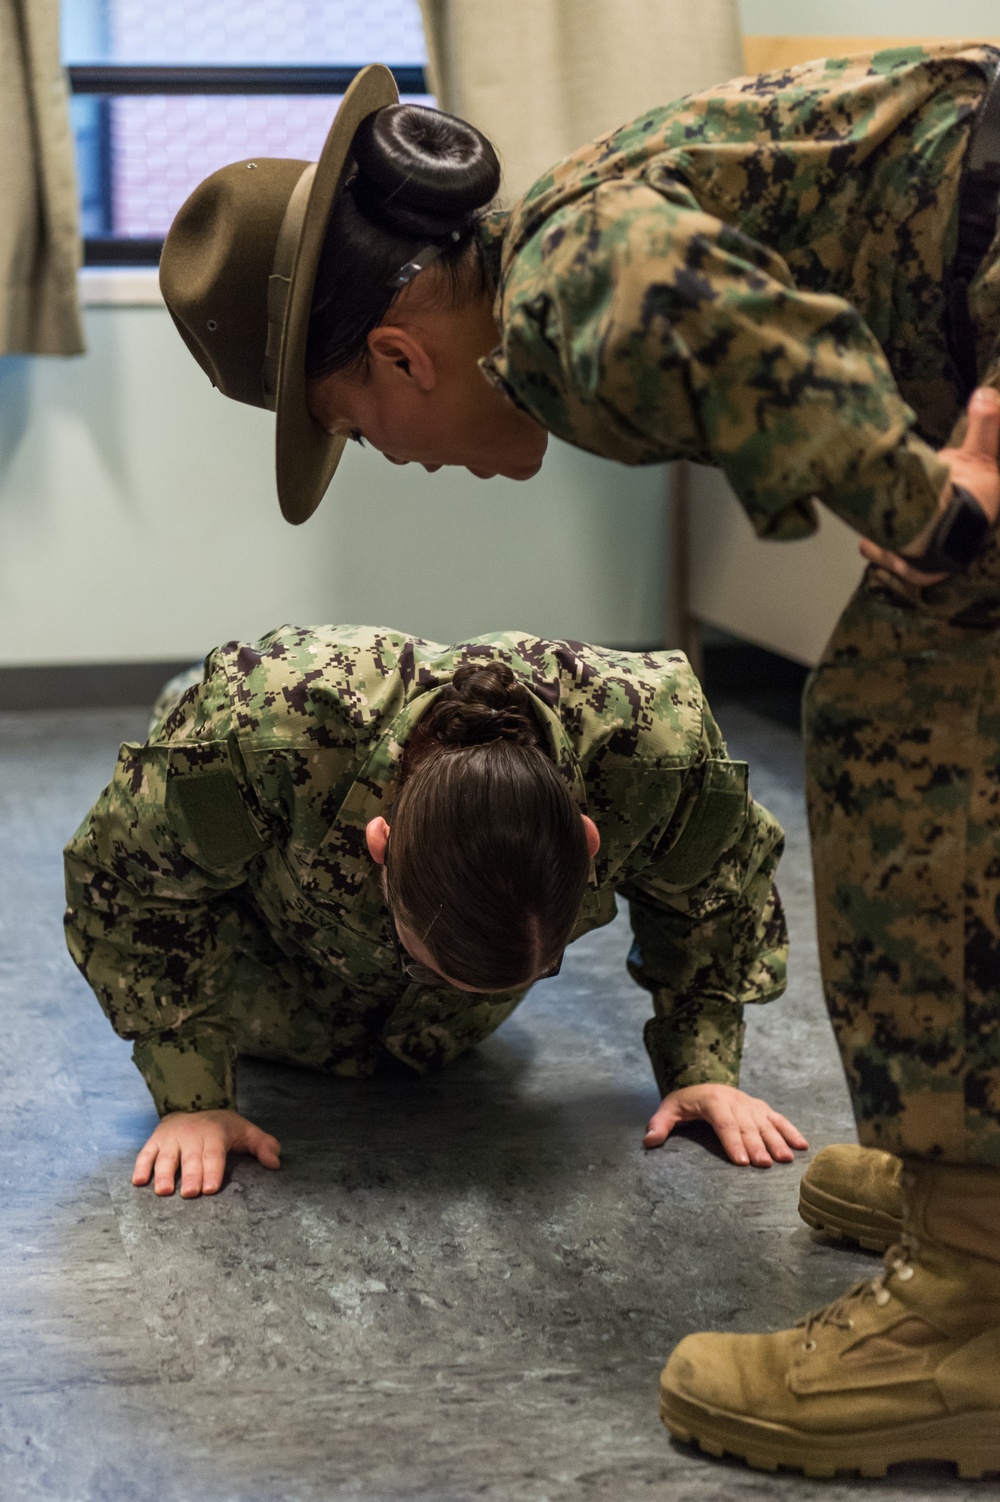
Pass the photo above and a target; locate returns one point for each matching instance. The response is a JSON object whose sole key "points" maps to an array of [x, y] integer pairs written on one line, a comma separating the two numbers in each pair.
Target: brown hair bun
{"points": [[483, 703]]}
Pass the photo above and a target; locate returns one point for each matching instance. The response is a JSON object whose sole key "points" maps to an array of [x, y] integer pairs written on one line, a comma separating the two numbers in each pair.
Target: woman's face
{"points": [[423, 399]]}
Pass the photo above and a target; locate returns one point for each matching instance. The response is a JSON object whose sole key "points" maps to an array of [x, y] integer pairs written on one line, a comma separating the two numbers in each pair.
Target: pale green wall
{"points": [[871, 17], [138, 522]]}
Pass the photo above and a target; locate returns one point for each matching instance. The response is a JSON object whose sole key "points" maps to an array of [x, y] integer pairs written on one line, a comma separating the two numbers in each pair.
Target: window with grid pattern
{"points": [[162, 96]]}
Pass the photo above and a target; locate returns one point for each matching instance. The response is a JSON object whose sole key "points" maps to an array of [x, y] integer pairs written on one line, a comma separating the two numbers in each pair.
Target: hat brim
{"points": [[306, 456]]}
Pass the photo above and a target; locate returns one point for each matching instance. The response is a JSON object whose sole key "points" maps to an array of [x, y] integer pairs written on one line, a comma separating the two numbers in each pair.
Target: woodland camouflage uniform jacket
{"points": [[222, 900], [755, 277]]}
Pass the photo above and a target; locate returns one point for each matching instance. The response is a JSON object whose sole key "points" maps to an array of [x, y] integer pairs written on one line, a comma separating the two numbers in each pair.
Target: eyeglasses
{"points": [[409, 968]]}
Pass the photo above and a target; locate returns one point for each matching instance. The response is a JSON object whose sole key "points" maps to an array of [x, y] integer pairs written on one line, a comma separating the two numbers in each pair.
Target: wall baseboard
{"points": [[105, 685], [91, 685], [733, 669]]}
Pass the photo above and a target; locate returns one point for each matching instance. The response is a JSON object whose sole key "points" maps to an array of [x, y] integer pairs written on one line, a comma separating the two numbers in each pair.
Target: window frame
{"points": [[109, 81]]}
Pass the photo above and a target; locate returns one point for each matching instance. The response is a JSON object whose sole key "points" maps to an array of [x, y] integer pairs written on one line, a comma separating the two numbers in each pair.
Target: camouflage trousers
{"points": [[902, 724]]}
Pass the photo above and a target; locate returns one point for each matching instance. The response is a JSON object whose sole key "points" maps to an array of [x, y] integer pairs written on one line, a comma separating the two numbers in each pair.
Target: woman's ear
{"points": [[593, 837], [376, 838], [399, 354]]}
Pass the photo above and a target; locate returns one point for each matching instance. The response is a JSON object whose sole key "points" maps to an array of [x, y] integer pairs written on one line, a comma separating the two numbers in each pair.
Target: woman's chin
{"points": [[523, 471], [524, 467], [532, 465], [526, 470]]}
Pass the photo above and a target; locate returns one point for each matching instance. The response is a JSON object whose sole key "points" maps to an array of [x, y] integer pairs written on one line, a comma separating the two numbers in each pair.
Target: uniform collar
{"points": [[492, 233], [380, 774]]}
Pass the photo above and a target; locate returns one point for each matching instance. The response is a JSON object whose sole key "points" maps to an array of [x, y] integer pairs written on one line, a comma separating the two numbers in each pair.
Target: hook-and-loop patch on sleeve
{"points": [[207, 807], [712, 827]]}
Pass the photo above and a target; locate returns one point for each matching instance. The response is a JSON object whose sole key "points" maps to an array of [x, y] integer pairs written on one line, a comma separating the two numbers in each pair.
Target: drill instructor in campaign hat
{"points": [[796, 278]]}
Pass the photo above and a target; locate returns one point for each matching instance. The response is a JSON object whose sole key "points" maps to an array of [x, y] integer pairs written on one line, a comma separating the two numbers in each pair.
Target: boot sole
{"points": [[963, 1439], [875, 1230]]}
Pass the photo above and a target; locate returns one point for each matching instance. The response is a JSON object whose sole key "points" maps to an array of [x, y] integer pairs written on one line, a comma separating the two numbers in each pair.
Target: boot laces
{"points": [[838, 1314]]}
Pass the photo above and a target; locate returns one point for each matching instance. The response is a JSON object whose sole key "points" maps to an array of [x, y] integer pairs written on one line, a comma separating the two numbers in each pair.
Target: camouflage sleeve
{"points": [[146, 878], [637, 325], [709, 929]]}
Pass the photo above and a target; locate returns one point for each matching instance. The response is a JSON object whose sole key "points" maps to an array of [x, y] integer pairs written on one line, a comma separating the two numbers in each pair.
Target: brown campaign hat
{"points": [[237, 274]]}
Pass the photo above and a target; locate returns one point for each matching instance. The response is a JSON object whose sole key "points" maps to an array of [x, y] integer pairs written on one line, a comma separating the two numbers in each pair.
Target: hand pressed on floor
{"points": [[196, 1143], [749, 1130]]}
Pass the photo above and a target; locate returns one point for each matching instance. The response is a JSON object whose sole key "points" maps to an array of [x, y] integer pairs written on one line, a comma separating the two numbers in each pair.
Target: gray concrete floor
{"points": [[454, 1290]]}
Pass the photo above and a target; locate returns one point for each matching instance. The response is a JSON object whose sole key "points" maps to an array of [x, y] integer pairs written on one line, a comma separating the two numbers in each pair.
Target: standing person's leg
{"points": [[903, 724], [846, 1190], [903, 756]]}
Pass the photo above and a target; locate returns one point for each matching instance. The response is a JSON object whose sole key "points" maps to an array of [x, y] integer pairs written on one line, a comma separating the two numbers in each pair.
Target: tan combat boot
{"points": [[854, 1193], [903, 1367]]}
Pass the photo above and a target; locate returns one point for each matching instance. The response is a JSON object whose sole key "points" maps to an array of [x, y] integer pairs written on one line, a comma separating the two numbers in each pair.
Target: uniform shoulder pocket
{"points": [[713, 826], [208, 805]]}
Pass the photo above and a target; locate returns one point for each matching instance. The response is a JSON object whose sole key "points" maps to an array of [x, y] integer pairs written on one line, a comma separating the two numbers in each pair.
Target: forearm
{"points": [[151, 921], [699, 1042], [790, 390], [804, 402], [161, 974], [189, 1068], [845, 443], [725, 934], [705, 953], [806, 406]]}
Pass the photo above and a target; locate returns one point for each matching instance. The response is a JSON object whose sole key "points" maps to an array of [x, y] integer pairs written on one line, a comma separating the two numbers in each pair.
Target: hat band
{"points": [[280, 280]]}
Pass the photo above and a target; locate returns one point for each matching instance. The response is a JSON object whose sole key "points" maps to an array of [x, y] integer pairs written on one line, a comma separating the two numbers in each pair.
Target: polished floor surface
{"points": [[454, 1290]]}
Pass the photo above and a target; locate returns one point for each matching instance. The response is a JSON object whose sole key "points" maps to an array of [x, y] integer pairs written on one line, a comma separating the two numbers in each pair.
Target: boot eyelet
{"points": [[809, 1345], [883, 1296], [905, 1273]]}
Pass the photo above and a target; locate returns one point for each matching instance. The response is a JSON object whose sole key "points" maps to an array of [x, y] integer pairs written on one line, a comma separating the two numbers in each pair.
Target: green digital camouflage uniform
{"points": [[222, 900], [753, 278]]}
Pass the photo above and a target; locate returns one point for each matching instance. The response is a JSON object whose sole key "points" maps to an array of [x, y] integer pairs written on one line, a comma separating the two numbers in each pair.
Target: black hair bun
{"points": [[421, 172]]}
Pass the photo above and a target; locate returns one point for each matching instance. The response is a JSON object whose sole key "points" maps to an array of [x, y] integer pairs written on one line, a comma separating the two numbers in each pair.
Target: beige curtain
{"points": [[39, 244], [542, 77]]}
